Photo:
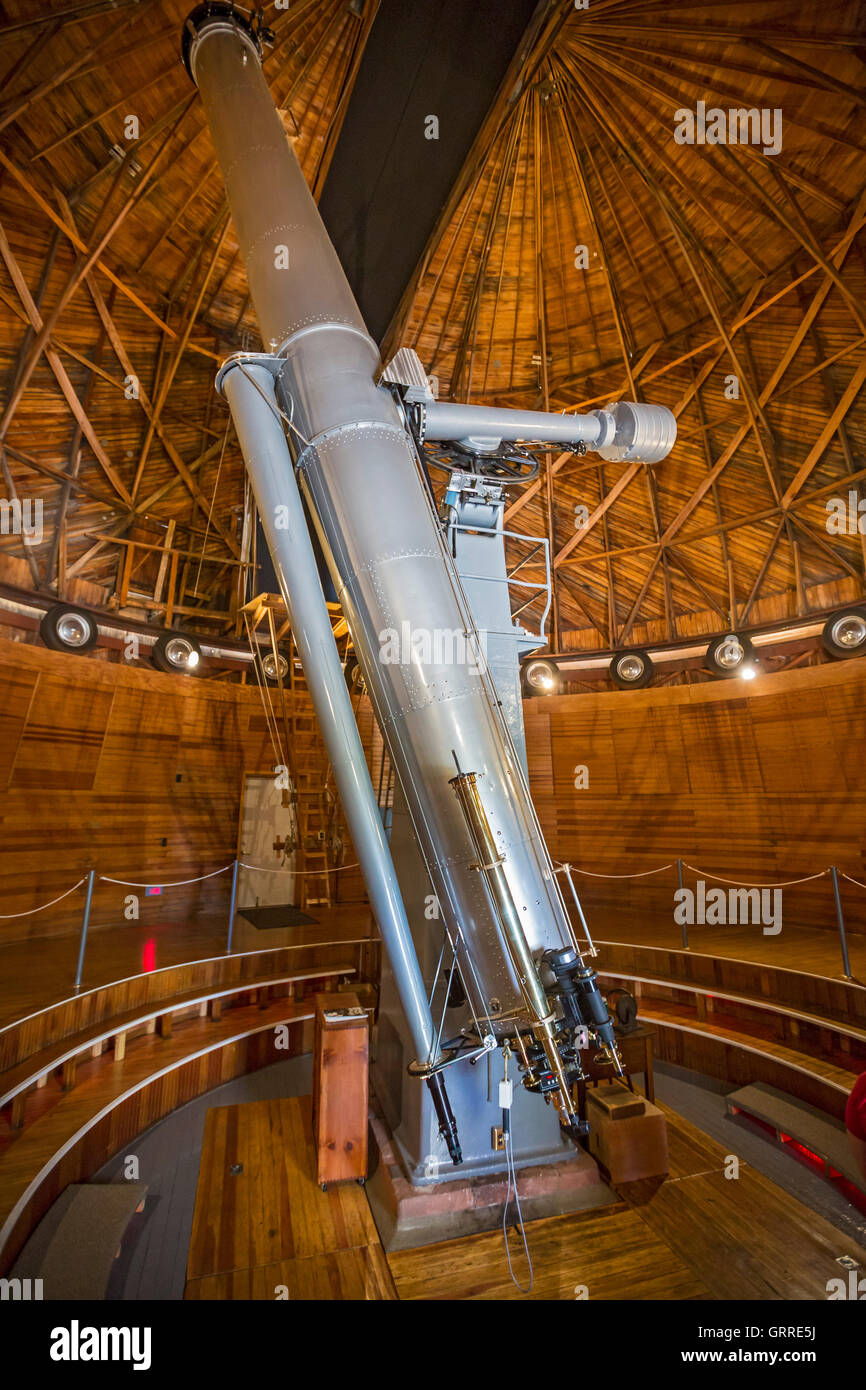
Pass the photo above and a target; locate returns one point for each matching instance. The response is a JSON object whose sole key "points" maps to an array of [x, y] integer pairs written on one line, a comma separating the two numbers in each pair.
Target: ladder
{"points": [[313, 809]]}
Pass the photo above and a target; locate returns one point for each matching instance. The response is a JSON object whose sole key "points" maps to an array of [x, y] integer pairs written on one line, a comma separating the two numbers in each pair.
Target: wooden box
{"points": [[627, 1134], [340, 1072]]}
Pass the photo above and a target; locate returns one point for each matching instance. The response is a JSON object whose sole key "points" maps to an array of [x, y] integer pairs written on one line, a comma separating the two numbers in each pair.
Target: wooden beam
{"points": [[185, 471], [98, 263], [80, 270], [13, 497], [181, 347], [57, 368], [19, 105], [816, 453]]}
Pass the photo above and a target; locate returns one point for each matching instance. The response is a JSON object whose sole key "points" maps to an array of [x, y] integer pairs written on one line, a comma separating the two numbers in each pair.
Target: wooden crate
{"points": [[627, 1134]]}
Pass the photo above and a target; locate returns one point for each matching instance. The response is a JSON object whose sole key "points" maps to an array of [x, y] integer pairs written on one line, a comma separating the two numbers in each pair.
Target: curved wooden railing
{"points": [[67, 1105]]}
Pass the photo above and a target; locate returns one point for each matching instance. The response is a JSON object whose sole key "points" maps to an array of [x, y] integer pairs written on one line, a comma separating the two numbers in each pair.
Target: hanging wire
{"points": [[275, 409], [270, 716], [512, 1187], [299, 873], [647, 873], [434, 1053], [212, 505], [181, 882]]}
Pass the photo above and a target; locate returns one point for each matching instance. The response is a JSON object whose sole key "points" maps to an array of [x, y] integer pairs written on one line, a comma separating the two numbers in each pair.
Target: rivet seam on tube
{"points": [[244, 158], [272, 231], [402, 710], [312, 322], [331, 437], [387, 555]]}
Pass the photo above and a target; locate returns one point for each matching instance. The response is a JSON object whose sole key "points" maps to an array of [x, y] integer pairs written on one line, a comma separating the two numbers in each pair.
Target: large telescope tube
{"points": [[246, 385], [432, 696]]}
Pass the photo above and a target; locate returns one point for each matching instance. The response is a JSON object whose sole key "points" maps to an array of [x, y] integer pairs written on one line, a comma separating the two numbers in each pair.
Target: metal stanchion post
{"points": [[232, 907], [91, 878], [685, 924], [840, 920]]}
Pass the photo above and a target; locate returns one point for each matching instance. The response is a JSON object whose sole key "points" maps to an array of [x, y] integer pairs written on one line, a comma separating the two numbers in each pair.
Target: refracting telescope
{"points": [[332, 444]]}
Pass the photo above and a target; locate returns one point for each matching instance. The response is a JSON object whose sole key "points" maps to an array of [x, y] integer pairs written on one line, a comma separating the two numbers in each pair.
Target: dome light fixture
{"points": [[174, 651], [67, 629], [844, 633], [732, 654], [631, 670], [541, 678], [275, 667]]}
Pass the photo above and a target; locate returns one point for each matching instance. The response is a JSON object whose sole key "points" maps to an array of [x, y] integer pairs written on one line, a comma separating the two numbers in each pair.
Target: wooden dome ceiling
{"points": [[703, 263]]}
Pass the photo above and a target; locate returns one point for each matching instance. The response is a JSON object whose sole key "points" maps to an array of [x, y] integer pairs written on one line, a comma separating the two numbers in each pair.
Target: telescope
{"points": [[331, 443]]}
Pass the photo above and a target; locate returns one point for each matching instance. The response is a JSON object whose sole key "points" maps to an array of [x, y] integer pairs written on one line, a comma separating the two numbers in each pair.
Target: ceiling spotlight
{"points": [[66, 629], [631, 670], [845, 633], [275, 667], [541, 678], [174, 652], [748, 673], [731, 655]]}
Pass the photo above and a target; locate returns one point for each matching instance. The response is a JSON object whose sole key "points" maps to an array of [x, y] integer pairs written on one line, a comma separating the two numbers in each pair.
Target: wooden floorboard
{"points": [[597, 1257], [102, 1082], [743, 1235], [360, 1273], [697, 1235], [36, 973], [797, 946], [270, 1226], [270, 1232]]}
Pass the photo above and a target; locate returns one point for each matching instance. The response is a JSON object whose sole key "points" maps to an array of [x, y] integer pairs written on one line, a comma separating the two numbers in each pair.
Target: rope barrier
{"points": [[787, 883], [316, 873], [181, 883], [7, 916], [646, 873]]}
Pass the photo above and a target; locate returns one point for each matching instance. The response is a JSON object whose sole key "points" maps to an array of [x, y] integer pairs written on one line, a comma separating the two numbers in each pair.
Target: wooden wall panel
{"points": [[60, 743], [763, 787], [131, 771], [17, 694]]}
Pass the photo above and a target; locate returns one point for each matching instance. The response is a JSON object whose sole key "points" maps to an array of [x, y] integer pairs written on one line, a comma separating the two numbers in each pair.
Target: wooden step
{"points": [[817, 1079], [794, 1119], [646, 983], [16, 1081], [35, 1155], [74, 1247]]}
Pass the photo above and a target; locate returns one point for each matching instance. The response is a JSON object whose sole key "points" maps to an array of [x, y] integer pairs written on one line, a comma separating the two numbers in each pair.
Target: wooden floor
{"points": [[797, 947], [57, 1116], [269, 1230], [699, 1235], [34, 974]]}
